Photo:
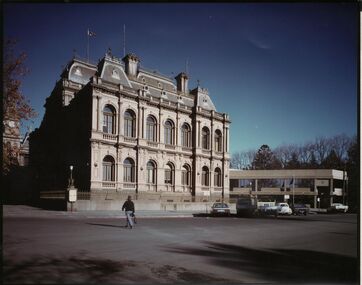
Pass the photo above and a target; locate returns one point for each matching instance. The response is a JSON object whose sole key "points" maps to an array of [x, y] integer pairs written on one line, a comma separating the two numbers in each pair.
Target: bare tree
{"points": [[321, 148], [340, 144], [285, 152], [242, 159]]}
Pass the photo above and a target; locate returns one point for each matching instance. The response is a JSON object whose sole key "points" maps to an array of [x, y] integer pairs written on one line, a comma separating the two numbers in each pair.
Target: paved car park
{"points": [[71, 248]]}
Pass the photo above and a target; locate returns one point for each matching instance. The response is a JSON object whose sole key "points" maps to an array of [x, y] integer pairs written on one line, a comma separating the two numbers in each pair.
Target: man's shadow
{"points": [[106, 225]]}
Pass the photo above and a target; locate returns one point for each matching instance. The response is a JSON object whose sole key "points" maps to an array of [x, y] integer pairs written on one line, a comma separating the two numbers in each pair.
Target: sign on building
{"points": [[322, 183]]}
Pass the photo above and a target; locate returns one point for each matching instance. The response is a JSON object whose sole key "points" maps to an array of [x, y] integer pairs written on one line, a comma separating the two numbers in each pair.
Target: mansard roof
{"points": [[112, 70]]}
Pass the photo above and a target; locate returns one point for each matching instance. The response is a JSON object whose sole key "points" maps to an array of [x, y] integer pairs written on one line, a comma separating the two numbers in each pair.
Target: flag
{"points": [[90, 34], [282, 188], [291, 181]]}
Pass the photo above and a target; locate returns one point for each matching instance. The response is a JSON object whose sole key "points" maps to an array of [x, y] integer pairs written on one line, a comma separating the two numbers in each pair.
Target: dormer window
{"points": [[143, 80], [78, 71], [115, 74], [159, 85]]}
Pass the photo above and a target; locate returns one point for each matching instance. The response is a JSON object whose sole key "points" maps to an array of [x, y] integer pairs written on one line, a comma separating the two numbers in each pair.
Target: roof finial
{"points": [[198, 83], [109, 52]]}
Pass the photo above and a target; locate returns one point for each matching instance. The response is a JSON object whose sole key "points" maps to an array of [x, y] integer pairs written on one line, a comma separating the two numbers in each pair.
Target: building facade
{"points": [[317, 187], [124, 128]]}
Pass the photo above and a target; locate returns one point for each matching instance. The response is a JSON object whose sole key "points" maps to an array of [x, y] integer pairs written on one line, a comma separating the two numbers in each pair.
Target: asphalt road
{"points": [[70, 249]]}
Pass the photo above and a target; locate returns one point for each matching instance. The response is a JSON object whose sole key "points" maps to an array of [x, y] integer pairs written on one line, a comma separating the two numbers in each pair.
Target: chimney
{"points": [[182, 81], [131, 61]]}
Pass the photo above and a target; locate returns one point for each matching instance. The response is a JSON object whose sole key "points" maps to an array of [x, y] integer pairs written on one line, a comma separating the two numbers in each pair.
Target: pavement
{"points": [[43, 247]]}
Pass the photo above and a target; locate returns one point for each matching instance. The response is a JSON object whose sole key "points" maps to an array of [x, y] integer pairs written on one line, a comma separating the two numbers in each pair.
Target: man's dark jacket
{"points": [[128, 206]]}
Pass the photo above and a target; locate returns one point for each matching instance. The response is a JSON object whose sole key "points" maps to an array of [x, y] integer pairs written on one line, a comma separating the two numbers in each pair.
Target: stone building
{"points": [[126, 129]]}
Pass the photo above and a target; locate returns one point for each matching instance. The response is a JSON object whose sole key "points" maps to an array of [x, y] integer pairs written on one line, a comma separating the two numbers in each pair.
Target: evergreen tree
{"points": [[265, 159]]}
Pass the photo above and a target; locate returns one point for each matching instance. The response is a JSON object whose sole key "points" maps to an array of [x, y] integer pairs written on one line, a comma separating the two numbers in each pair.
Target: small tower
{"points": [[131, 61], [182, 81]]}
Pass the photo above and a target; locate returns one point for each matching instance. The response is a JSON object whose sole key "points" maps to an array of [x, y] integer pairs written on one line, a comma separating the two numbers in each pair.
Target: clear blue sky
{"points": [[285, 73]]}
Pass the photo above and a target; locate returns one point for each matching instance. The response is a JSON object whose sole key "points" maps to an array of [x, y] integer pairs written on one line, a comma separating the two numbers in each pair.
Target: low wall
{"points": [[143, 205]]}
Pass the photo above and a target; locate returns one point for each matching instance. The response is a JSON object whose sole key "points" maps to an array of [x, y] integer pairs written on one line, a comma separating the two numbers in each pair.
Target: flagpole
{"points": [[88, 45], [293, 190], [124, 40]]}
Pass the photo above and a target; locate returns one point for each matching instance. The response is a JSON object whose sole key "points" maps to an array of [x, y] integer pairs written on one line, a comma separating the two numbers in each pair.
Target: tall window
{"points": [[205, 138], [186, 135], [151, 172], [186, 175], [108, 168], [217, 177], [169, 132], [205, 176], [128, 170], [109, 115], [129, 124], [169, 171], [151, 129], [218, 140]]}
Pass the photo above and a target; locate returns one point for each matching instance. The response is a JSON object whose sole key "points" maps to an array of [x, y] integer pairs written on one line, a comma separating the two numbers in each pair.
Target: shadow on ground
{"points": [[86, 270], [280, 265]]}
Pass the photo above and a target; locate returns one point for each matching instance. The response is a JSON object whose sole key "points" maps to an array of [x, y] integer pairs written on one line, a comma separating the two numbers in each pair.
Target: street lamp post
{"points": [[71, 185], [71, 176]]}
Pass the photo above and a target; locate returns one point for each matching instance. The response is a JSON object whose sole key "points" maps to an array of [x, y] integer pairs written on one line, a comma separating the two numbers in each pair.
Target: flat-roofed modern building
{"points": [[126, 129], [318, 187]]}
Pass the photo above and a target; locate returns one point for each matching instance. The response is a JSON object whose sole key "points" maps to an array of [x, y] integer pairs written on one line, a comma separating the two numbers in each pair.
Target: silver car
{"points": [[220, 209]]}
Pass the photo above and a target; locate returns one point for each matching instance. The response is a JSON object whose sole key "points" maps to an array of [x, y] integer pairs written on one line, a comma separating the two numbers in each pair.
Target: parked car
{"points": [[279, 209], [246, 207], [220, 209], [300, 209], [338, 207]]}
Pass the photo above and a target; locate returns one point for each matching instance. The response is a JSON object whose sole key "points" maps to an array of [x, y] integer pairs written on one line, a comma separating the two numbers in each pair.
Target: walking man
{"points": [[128, 206]]}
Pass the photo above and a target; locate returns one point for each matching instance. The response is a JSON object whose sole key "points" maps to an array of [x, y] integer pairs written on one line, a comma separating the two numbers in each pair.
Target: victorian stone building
{"points": [[126, 129]]}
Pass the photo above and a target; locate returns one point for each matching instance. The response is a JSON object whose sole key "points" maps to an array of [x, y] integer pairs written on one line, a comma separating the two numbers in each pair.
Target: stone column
{"points": [[98, 113], [331, 192]]}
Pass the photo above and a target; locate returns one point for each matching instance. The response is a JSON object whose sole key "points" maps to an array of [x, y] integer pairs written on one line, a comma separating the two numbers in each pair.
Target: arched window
{"points": [[218, 141], [205, 176], [129, 124], [151, 129], [217, 177], [109, 120], [108, 168], [151, 172], [186, 135], [169, 173], [169, 132], [186, 175], [205, 138], [128, 170]]}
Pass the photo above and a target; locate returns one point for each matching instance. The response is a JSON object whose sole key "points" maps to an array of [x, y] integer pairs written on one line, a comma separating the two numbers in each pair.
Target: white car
{"points": [[278, 209], [339, 207], [284, 209]]}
